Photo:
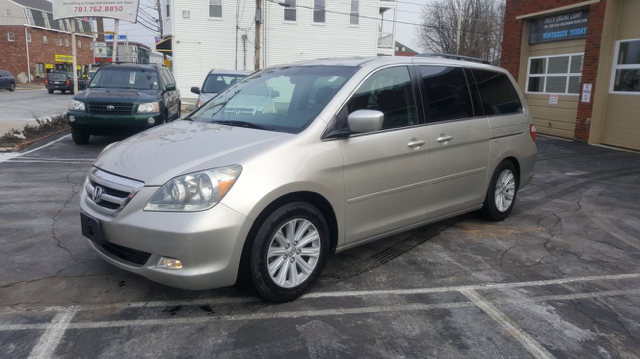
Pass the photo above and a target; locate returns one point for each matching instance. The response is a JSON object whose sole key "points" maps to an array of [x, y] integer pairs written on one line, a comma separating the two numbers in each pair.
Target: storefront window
{"points": [[626, 69], [560, 74]]}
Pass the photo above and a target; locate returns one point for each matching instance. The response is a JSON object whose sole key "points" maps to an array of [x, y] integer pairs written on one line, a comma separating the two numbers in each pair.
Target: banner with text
{"points": [[126, 10], [567, 26]]}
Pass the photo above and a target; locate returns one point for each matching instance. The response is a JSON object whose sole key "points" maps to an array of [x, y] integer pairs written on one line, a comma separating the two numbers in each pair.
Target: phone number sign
{"points": [[126, 10]]}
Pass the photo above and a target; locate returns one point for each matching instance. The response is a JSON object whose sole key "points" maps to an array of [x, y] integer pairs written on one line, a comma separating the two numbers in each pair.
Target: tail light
{"points": [[532, 132], [46, 81], [68, 82]]}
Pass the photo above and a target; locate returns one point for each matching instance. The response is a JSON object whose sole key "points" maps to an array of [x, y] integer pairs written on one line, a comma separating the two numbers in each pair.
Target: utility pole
{"points": [[100, 25], [116, 28], [159, 5], [74, 58], [257, 39], [459, 27]]}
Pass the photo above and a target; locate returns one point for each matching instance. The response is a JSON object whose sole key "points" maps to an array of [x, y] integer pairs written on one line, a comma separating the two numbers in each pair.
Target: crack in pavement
{"points": [[55, 220]]}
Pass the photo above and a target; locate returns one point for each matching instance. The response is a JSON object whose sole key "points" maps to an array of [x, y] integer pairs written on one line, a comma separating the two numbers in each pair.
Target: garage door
{"points": [[552, 85]]}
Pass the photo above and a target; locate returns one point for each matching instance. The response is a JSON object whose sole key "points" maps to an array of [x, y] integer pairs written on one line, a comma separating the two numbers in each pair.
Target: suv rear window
{"points": [[497, 94], [58, 76]]}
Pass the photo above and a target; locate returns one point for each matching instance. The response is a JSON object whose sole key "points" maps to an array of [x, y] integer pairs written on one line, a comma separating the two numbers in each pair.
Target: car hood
{"points": [[206, 96], [117, 95], [159, 154]]}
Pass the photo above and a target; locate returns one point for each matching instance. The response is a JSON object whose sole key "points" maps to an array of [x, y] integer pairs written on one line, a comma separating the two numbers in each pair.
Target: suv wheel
{"points": [[502, 192], [80, 137], [50, 91], [289, 252], [12, 87]]}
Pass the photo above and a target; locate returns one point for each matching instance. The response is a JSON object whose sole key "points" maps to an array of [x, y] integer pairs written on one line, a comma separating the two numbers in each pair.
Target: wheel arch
{"points": [[313, 198]]}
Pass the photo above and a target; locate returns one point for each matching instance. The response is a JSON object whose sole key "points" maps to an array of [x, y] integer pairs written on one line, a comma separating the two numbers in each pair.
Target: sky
{"points": [[408, 11]]}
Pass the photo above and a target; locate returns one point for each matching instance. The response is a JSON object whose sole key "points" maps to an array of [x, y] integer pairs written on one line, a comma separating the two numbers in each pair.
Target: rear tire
{"points": [[80, 137], [50, 92], [12, 87], [502, 192], [290, 232]]}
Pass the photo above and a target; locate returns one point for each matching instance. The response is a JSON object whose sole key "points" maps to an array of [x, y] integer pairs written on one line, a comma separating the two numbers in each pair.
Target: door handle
{"points": [[444, 138], [415, 143]]}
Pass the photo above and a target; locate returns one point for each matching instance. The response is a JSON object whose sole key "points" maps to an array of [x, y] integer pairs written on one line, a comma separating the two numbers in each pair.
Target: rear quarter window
{"points": [[497, 94], [446, 92]]}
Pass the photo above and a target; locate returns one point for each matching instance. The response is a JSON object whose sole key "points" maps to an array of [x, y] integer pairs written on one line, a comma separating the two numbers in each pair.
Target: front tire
{"points": [[289, 252], [503, 189], [12, 87], [80, 137]]}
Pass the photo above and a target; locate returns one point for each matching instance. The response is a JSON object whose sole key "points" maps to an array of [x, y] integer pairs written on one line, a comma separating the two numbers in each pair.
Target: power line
{"points": [[382, 19]]}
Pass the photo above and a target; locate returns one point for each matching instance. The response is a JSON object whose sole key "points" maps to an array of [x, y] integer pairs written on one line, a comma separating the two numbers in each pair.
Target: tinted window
{"points": [[390, 92], [282, 99], [446, 93], [217, 82], [497, 94]]}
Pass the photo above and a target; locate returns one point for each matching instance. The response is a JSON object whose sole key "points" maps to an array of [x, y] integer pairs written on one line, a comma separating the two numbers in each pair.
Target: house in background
{"points": [[31, 42], [403, 50], [578, 64], [201, 35]]}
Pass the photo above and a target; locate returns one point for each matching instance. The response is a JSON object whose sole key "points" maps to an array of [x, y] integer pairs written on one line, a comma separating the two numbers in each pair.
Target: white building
{"points": [[204, 34]]}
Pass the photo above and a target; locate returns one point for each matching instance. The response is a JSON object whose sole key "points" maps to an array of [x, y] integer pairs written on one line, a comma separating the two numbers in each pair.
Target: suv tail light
{"points": [[46, 81], [532, 132], [68, 82]]}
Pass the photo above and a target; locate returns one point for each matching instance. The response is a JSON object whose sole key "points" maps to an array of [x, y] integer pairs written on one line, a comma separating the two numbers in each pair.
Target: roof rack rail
{"points": [[454, 57]]}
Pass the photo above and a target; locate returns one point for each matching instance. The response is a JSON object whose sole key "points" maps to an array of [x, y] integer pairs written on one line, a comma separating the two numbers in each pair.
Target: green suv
{"points": [[124, 98]]}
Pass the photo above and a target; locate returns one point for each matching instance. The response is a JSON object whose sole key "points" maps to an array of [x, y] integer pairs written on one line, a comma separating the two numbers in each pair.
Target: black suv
{"points": [[124, 98], [61, 81], [7, 81]]}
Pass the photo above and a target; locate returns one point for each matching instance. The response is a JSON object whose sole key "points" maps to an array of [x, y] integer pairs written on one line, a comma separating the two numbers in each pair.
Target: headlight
{"points": [[196, 191], [149, 107], [76, 105]]}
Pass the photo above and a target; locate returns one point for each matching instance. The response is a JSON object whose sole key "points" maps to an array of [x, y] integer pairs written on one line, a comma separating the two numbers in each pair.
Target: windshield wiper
{"points": [[243, 124]]}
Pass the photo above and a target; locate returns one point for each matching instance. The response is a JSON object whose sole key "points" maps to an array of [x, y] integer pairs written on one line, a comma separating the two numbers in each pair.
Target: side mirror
{"points": [[365, 121], [195, 90], [171, 87]]}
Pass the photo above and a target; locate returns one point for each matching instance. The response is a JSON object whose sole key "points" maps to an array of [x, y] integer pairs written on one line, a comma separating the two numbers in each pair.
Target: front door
{"points": [[460, 141], [386, 172]]}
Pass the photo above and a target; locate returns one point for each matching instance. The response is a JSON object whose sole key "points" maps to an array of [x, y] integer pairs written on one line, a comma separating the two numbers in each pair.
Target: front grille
{"points": [[130, 255], [111, 108], [109, 193]]}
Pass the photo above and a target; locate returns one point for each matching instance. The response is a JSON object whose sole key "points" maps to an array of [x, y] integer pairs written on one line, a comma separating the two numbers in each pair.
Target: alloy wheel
{"points": [[505, 190], [293, 253]]}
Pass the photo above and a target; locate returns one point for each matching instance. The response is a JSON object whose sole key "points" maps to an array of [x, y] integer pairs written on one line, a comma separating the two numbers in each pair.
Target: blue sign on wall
{"points": [[567, 26]]}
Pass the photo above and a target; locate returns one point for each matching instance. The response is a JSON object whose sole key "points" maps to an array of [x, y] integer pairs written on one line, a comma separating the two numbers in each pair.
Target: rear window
{"points": [[58, 76], [497, 94], [217, 82], [447, 93]]}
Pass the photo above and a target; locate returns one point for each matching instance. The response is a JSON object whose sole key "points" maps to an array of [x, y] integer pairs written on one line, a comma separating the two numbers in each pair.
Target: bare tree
{"points": [[480, 21]]}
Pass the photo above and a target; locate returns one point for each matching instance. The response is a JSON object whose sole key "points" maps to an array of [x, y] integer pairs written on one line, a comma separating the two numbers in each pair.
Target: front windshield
{"points": [[282, 99], [131, 78], [218, 82]]}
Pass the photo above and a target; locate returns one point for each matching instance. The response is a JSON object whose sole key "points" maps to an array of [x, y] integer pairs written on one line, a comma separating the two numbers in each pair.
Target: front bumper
{"points": [[135, 122], [208, 243]]}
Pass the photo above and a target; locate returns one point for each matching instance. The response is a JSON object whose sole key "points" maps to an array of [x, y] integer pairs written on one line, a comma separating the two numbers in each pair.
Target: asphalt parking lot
{"points": [[560, 278]]}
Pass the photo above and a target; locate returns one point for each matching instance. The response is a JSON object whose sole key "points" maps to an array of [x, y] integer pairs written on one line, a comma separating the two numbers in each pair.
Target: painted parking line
{"points": [[7, 156], [52, 336], [528, 342], [415, 307], [230, 300]]}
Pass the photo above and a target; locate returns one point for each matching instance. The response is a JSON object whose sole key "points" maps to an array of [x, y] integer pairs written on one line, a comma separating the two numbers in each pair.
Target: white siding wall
{"points": [[17, 13], [167, 21], [202, 43]]}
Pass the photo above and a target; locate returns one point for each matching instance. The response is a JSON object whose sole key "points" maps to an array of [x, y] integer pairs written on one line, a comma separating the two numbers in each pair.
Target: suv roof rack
{"points": [[454, 57]]}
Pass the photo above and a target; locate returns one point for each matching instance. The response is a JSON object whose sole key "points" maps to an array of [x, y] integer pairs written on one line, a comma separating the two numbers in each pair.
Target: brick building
{"points": [[30, 40], [578, 63]]}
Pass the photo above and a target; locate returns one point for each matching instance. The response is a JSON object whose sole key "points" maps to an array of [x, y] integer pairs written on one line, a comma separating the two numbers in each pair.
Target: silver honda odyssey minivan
{"points": [[296, 162]]}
